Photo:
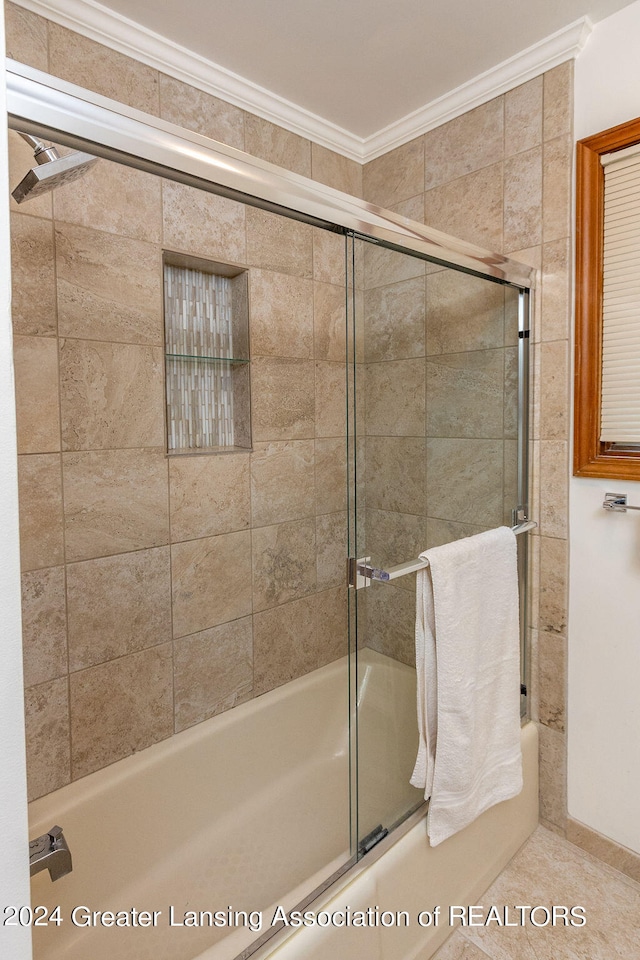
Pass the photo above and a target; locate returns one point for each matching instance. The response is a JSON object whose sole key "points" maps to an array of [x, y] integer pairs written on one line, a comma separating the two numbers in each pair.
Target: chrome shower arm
{"points": [[41, 152]]}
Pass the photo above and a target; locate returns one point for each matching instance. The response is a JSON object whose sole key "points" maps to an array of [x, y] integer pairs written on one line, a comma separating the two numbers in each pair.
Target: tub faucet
{"points": [[50, 852]]}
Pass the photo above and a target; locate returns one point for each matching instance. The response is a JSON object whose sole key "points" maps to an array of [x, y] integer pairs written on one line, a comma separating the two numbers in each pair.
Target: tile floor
{"points": [[550, 871]]}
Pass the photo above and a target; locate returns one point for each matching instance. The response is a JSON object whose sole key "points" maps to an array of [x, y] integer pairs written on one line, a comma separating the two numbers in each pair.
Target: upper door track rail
{"points": [[45, 106]]}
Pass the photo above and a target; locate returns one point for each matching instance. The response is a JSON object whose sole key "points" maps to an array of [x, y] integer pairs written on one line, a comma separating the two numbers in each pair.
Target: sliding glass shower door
{"points": [[437, 395]]}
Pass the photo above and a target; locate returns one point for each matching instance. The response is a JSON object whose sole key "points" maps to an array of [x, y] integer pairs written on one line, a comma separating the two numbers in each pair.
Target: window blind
{"points": [[620, 410]]}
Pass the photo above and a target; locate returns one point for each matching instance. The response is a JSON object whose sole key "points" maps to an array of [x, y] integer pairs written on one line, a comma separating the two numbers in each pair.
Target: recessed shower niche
{"points": [[206, 320]]}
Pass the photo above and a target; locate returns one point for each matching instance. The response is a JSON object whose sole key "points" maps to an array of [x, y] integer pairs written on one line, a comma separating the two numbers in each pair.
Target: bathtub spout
{"points": [[50, 852]]}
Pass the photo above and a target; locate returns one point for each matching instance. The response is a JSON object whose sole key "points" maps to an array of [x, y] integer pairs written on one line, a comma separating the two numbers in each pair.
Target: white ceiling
{"points": [[359, 64], [357, 76]]}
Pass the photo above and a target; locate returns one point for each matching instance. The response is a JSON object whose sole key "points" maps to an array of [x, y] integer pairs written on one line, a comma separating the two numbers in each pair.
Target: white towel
{"points": [[468, 667]]}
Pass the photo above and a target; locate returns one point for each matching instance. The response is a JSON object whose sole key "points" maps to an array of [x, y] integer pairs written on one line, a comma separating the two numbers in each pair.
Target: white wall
{"points": [[14, 874], [604, 584]]}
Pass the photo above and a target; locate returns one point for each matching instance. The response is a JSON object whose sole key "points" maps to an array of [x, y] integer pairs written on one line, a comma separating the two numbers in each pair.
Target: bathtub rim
{"points": [[263, 947]]}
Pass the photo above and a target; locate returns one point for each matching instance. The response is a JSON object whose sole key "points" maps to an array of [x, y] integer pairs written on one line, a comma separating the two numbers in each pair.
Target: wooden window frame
{"points": [[592, 457]]}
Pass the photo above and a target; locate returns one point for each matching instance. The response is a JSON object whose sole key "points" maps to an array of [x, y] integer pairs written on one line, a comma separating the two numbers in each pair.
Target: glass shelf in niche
{"points": [[202, 359], [206, 315]]}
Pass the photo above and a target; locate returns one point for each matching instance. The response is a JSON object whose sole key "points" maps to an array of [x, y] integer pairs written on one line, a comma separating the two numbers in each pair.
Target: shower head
{"points": [[52, 170]]}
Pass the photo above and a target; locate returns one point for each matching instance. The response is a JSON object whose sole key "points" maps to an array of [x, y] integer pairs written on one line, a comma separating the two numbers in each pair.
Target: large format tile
{"points": [[331, 475], [395, 474], [281, 315], [523, 200], [458, 948], [465, 394], [332, 637], [211, 581], [112, 395], [394, 538], [523, 117], [331, 399], [113, 198], [213, 671], [553, 776], [556, 213], [331, 549], [47, 737], [97, 67], [447, 153], [446, 531], [394, 317], [558, 100], [37, 404], [284, 643], [44, 625], [26, 37], [120, 707], [556, 290], [40, 498], [549, 870], [208, 495], [277, 243], [554, 569], [391, 621], [329, 256], [33, 278], [329, 321], [202, 224], [282, 399], [554, 390], [284, 563], [118, 605], [464, 480], [413, 209], [109, 287], [270, 142], [463, 313], [553, 488], [282, 481], [115, 501], [196, 110], [469, 208], [395, 175], [395, 398], [552, 679], [382, 266], [335, 170]]}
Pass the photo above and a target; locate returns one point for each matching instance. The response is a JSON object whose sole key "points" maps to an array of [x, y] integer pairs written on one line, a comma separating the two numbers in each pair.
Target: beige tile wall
{"points": [[500, 175], [160, 591], [440, 372]]}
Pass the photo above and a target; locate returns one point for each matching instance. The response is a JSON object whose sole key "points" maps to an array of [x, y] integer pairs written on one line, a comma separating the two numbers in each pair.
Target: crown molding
{"points": [[565, 44], [92, 20]]}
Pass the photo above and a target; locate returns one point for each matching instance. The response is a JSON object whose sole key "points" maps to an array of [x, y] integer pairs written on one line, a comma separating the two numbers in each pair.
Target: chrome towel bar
{"points": [[617, 503], [412, 566]]}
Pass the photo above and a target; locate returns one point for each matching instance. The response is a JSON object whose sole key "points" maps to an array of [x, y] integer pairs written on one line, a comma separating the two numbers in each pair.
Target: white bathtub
{"points": [[249, 810]]}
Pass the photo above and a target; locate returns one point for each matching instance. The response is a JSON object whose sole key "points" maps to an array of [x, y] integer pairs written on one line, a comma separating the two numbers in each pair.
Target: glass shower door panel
{"points": [[202, 448], [391, 527], [437, 459]]}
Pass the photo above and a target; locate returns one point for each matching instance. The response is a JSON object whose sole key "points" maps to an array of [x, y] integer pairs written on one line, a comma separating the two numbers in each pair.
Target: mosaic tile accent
{"points": [[199, 339]]}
